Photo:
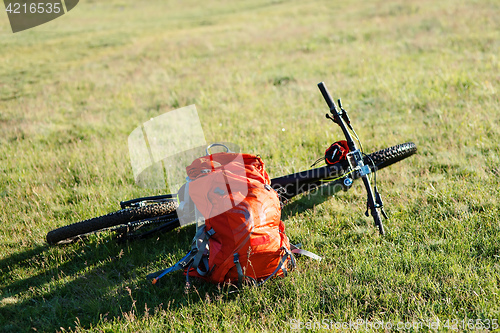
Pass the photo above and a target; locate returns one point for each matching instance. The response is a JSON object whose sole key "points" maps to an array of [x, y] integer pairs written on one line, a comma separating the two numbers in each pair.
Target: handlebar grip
{"points": [[327, 96]]}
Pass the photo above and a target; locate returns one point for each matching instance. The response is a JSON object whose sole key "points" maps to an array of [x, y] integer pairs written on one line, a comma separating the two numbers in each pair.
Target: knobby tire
{"points": [[110, 220], [388, 156]]}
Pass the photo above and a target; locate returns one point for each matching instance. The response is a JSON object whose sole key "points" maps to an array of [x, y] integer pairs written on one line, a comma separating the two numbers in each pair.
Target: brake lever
{"points": [[344, 114]]}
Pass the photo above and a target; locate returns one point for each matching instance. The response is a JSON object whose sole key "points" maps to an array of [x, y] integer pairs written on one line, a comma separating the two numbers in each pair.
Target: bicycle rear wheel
{"points": [[121, 217]]}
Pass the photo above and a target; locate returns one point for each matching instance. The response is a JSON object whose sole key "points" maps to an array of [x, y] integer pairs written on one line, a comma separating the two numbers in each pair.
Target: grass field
{"points": [[73, 89]]}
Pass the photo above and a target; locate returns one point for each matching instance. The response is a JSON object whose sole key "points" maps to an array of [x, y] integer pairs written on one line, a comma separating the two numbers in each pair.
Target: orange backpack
{"points": [[240, 234], [243, 228]]}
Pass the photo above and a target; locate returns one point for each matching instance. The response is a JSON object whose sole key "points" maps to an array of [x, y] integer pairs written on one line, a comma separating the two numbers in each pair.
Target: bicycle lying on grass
{"points": [[142, 217]]}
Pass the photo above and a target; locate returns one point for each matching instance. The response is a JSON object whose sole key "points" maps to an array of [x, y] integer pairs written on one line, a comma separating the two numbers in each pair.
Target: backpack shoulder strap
{"points": [[281, 265], [181, 264], [200, 245]]}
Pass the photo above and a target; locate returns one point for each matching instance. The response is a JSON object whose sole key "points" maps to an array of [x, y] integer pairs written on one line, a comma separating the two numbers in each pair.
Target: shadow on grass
{"points": [[90, 281], [96, 280], [309, 200]]}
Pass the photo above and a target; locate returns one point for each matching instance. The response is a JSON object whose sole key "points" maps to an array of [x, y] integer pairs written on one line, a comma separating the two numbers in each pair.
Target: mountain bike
{"points": [[143, 217]]}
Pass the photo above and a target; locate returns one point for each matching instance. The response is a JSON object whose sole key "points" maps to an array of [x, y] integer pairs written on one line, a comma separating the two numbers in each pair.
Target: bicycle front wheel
{"points": [[388, 156], [100, 223], [305, 181]]}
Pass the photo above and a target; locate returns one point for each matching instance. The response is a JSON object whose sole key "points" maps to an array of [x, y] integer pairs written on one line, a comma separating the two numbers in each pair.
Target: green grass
{"points": [[425, 71]]}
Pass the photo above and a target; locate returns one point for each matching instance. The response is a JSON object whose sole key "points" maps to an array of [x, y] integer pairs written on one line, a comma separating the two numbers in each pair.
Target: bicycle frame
{"points": [[159, 213], [289, 186]]}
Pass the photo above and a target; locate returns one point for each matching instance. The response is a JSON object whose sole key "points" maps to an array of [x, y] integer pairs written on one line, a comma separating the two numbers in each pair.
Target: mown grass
{"points": [[72, 90]]}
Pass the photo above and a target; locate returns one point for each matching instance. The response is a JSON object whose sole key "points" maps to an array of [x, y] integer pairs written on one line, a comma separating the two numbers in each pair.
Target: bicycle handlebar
{"points": [[337, 118], [327, 97]]}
